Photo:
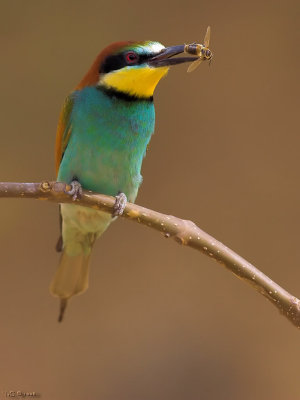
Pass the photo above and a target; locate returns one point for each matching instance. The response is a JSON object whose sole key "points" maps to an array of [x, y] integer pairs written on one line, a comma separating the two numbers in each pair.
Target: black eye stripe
{"points": [[118, 61], [112, 63]]}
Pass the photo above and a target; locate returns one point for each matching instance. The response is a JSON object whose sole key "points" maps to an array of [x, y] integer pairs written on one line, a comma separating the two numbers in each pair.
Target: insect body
{"points": [[201, 50]]}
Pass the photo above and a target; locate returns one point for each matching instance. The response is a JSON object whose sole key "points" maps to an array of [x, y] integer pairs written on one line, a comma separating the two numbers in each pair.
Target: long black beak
{"points": [[163, 59]]}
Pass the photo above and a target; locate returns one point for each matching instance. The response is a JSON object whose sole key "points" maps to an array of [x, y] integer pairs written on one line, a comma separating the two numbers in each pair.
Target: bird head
{"points": [[133, 68]]}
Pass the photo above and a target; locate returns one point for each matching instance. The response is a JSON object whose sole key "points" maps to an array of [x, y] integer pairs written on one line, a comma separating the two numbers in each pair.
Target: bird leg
{"points": [[76, 190], [120, 204]]}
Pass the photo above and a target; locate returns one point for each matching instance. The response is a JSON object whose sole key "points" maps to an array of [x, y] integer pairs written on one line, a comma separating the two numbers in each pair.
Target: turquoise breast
{"points": [[109, 137]]}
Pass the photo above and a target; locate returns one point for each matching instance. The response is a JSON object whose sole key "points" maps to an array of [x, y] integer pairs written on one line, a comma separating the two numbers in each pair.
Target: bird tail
{"points": [[71, 278], [80, 227]]}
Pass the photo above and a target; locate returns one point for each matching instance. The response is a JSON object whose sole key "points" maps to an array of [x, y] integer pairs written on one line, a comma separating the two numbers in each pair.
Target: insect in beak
{"points": [[200, 50]]}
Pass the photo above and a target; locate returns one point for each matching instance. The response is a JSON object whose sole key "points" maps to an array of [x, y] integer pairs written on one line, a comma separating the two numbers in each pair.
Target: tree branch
{"points": [[182, 231]]}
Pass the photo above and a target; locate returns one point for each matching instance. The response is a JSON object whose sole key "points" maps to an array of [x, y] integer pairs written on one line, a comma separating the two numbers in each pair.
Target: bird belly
{"points": [[107, 144], [81, 227], [103, 171]]}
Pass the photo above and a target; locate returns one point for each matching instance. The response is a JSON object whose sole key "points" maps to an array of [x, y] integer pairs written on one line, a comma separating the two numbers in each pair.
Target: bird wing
{"points": [[64, 130]]}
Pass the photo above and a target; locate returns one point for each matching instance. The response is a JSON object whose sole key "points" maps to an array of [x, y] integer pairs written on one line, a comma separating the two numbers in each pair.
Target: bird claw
{"points": [[120, 204], [75, 191]]}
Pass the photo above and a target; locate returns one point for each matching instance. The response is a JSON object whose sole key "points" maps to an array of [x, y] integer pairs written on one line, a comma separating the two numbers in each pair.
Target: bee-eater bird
{"points": [[103, 132]]}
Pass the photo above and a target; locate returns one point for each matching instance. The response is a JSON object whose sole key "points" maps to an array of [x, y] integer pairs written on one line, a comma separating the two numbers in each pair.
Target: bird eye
{"points": [[131, 57]]}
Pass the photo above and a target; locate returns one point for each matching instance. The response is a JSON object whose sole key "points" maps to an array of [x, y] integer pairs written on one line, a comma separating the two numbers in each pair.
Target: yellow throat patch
{"points": [[140, 81]]}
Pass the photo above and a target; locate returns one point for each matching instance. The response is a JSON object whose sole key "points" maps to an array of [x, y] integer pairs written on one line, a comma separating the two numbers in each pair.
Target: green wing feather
{"points": [[64, 130]]}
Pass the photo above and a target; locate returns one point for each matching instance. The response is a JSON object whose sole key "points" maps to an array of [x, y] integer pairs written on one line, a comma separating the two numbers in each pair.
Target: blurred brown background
{"points": [[159, 321]]}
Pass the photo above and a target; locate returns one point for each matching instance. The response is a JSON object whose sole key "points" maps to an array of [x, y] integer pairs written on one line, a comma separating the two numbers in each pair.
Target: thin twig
{"points": [[182, 231]]}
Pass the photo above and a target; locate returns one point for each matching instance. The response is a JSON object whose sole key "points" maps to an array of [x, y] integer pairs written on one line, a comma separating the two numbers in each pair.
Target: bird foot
{"points": [[75, 191], [120, 204]]}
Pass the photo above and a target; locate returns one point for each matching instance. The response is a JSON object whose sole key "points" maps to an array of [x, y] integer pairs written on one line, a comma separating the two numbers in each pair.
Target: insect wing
{"points": [[207, 37], [194, 65]]}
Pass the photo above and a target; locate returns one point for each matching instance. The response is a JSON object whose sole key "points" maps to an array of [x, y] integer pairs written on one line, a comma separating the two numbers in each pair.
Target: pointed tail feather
{"points": [[71, 278]]}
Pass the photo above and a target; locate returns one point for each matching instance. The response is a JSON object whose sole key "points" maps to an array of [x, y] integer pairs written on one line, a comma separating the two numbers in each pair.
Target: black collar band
{"points": [[111, 92]]}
